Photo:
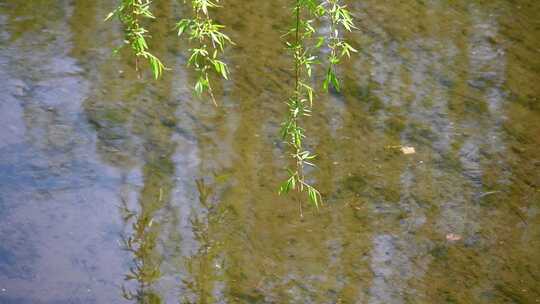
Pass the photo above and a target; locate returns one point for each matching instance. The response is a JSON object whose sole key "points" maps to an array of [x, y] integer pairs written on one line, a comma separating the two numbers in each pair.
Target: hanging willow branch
{"points": [[210, 42], [130, 13], [340, 19], [301, 102]]}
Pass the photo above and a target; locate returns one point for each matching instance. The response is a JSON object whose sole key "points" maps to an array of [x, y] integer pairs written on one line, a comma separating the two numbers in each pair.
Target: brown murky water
{"points": [[118, 190]]}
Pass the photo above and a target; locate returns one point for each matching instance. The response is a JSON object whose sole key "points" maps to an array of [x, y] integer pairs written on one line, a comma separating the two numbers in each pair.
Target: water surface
{"points": [[115, 189]]}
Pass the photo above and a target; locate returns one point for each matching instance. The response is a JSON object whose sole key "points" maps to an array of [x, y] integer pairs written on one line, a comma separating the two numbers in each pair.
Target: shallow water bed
{"points": [[115, 189]]}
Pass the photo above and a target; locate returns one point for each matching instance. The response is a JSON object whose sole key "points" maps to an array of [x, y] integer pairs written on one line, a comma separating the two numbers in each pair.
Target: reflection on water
{"points": [[115, 189]]}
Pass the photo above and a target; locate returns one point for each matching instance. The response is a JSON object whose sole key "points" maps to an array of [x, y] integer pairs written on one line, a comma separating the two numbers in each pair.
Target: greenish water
{"points": [[119, 190]]}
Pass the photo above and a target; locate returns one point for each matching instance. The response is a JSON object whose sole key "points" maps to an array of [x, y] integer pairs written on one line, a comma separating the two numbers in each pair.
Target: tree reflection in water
{"points": [[141, 243]]}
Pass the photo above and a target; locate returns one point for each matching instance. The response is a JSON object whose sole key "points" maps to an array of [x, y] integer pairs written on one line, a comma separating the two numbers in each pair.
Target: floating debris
{"points": [[403, 149], [452, 237], [408, 150]]}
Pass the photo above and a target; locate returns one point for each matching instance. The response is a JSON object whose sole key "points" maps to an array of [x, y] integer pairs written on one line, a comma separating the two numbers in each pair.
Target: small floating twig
{"points": [[488, 193]]}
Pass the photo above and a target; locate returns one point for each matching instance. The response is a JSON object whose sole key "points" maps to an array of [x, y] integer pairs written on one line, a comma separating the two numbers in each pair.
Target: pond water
{"points": [[115, 189]]}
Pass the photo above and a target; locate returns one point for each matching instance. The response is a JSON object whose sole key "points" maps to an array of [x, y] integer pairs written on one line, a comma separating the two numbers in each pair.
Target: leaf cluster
{"points": [[209, 42], [340, 19], [130, 13]]}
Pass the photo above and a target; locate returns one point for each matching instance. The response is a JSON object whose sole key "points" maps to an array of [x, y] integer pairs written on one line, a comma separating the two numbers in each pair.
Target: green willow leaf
{"points": [[129, 13]]}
